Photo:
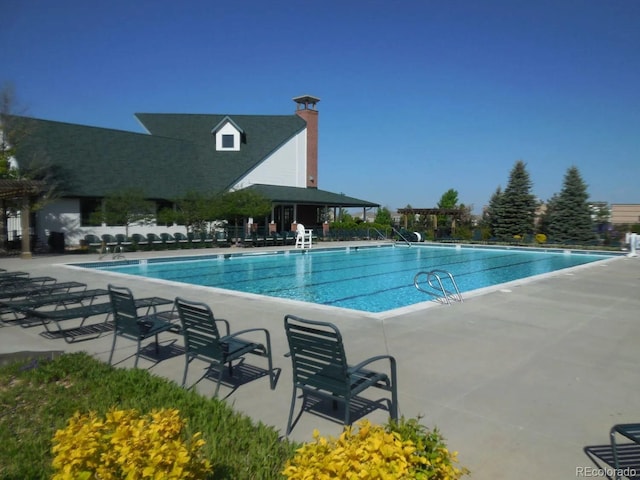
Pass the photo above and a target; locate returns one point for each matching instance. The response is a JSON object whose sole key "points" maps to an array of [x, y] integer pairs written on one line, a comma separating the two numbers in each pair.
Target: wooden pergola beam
{"points": [[22, 190]]}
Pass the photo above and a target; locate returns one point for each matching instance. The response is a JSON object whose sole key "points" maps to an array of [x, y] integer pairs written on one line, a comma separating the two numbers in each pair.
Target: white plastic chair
{"points": [[303, 237]]}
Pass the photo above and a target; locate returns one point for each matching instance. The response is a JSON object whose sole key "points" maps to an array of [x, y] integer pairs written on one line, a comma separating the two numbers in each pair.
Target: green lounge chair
{"points": [[29, 289], [181, 238], [206, 239], [222, 240], [168, 239], [202, 340], [320, 368], [630, 431], [128, 324], [139, 240], [123, 241], [94, 242], [154, 240], [109, 240]]}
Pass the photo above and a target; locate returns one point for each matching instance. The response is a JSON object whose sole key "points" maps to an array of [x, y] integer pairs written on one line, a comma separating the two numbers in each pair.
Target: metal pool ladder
{"points": [[438, 289]]}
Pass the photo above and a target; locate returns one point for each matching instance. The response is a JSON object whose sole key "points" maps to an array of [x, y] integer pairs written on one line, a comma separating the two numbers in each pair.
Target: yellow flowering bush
{"points": [[401, 450], [541, 238], [128, 444]]}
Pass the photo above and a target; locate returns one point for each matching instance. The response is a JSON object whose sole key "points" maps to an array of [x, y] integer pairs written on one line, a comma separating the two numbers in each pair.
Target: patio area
{"points": [[524, 383]]}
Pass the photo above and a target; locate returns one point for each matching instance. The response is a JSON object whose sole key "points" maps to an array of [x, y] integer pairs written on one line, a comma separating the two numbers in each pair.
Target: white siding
{"points": [[228, 129], [60, 216], [285, 167]]}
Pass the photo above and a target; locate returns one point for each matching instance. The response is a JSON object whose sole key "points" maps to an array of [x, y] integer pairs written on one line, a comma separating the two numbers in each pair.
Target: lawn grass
{"points": [[38, 397]]}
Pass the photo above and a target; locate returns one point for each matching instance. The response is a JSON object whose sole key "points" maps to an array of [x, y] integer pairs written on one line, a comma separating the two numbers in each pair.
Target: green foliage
{"points": [[430, 445], [125, 207], [568, 218], [464, 232], [492, 213], [41, 399], [513, 212], [7, 144], [345, 217], [240, 204], [449, 199], [194, 210], [354, 230], [383, 216]]}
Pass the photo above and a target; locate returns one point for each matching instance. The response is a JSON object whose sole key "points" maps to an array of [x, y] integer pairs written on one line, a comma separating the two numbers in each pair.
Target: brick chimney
{"points": [[306, 109]]}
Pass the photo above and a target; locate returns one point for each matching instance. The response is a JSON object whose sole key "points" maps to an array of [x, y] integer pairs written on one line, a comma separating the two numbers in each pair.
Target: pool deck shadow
{"points": [[524, 382]]}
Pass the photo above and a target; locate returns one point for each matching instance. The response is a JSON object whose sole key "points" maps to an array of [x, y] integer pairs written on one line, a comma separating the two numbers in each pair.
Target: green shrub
{"points": [[430, 444], [42, 395]]}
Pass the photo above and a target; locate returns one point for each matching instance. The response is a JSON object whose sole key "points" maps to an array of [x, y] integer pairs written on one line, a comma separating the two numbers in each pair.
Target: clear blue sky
{"points": [[417, 97]]}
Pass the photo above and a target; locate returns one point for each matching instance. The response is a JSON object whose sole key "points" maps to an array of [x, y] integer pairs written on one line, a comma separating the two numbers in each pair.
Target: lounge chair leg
{"points": [[616, 462], [135, 365], [113, 346], [347, 411], [293, 403], [219, 380], [186, 368], [272, 377]]}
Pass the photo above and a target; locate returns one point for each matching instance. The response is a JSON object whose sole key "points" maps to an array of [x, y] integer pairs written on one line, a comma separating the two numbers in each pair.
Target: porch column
{"points": [[25, 214], [3, 231]]}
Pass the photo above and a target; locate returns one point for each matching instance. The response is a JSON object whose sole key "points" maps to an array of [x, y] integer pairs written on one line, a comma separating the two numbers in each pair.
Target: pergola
{"points": [[456, 213], [22, 190]]}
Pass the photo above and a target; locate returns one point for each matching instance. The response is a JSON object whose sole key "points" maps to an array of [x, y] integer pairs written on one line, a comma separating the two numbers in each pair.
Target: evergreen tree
{"points": [[492, 213], [545, 218], [570, 219], [517, 205]]}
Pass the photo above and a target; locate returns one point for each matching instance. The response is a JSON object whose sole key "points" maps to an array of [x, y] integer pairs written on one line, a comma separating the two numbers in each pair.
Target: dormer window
{"points": [[227, 141], [228, 135]]}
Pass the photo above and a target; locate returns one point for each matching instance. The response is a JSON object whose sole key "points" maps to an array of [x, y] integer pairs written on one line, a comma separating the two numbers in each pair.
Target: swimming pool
{"points": [[368, 278]]}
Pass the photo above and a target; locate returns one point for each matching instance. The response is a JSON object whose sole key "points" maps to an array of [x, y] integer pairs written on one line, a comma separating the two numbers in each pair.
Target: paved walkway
{"points": [[524, 383]]}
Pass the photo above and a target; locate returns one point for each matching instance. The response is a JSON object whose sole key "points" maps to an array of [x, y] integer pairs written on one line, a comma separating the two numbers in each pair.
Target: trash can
{"points": [[56, 242]]}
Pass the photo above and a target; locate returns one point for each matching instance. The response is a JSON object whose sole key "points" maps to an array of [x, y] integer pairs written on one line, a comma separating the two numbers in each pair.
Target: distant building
{"points": [[625, 213]]}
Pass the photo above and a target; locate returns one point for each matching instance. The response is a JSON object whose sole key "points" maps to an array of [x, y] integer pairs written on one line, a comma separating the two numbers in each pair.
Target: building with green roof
{"points": [[275, 155]]}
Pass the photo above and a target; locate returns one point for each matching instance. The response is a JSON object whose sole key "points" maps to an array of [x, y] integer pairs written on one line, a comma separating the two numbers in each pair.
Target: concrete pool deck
{"points": [[524, 382]]}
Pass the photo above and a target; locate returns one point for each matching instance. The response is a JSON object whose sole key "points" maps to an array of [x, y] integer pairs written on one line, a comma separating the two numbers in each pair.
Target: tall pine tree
{"points": [[492, 213], [517, 205], [570, 219]]}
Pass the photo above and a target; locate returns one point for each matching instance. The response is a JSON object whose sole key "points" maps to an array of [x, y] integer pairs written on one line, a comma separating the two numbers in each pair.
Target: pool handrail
{"points": [[401, 236]]}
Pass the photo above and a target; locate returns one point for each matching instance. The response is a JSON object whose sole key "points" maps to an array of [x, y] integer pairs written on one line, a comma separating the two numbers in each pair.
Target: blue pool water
{"points": [[371, 279]]}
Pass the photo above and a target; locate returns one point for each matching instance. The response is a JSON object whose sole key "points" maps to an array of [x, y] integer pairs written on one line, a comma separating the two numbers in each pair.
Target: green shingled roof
{"points": [[177, 156], [308, 196]]}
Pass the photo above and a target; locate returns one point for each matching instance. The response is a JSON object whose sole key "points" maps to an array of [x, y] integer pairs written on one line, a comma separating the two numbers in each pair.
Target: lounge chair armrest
{"points": [[364, 363], [226, 325], [250, 330]]}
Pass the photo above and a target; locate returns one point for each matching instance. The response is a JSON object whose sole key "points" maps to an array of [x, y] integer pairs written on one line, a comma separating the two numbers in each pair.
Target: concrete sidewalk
{"points": [[524, 382]]}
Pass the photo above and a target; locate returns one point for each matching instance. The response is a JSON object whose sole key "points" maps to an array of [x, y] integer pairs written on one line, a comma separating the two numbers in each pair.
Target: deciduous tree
{"points": [[125, 207]]}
